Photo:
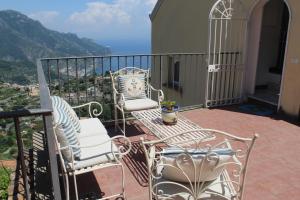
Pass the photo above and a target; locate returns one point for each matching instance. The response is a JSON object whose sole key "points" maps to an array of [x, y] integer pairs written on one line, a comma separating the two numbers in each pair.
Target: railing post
{"points": [[21, 158], [160, 69], [94, 78]]}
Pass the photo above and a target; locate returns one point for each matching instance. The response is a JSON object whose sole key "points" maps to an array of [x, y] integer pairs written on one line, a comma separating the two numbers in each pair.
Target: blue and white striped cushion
{"points": [[73, 117], [62, 118], [62, 104], [133, 86]]}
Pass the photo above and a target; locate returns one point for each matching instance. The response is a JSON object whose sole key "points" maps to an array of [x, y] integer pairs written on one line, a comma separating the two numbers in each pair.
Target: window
{"points": [[173, 72], [173, 81], [176, 73]]}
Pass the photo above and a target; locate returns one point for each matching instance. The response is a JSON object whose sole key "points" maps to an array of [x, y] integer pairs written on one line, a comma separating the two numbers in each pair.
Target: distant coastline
{"points": [[125, 47]]}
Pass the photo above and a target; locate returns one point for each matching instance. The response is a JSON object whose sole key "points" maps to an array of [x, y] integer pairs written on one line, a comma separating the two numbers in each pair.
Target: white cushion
{"points": [[98, 154], [91, 127], [63, 141], [220, 188], [139, 104], [133, 86], [206, 169]]}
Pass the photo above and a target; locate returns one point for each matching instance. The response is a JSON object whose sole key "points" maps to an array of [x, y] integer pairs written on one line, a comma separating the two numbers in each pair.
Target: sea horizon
{"points": [[127, 47]]}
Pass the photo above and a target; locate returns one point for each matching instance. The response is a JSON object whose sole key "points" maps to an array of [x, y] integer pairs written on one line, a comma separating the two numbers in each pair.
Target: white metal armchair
{"points": [[193, 169], [132, 92], [84, 145]]}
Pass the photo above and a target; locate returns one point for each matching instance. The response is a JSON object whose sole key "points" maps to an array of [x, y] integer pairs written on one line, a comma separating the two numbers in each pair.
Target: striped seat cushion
{"points": [[62, 118], [133, 86], [62, 104]]}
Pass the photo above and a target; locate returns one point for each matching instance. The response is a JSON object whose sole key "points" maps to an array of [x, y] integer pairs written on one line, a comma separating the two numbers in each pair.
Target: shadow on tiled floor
{"points": [[136, 163]]}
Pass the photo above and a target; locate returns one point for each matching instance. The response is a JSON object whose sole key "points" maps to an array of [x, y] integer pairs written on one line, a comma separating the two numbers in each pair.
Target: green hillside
{"points": [[23, 40], [21, 72]]}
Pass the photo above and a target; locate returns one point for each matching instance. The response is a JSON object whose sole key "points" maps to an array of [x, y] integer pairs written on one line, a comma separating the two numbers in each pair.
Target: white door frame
{"points": [[253, 47]]}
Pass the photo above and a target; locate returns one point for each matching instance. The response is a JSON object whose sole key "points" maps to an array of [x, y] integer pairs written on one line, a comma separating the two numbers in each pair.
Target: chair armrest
{"points": [[116, 91], [92, 112], [160, 93], [119, 98]]}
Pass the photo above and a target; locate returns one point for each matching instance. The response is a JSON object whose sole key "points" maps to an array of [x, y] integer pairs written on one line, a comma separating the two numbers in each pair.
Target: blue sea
{"points": [[126, 47]]}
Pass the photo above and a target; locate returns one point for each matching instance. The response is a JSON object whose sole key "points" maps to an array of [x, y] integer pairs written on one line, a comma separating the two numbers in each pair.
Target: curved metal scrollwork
{"points": [[93, 112], [195, 169], [124, 148], [222, 9], [226, 9]]}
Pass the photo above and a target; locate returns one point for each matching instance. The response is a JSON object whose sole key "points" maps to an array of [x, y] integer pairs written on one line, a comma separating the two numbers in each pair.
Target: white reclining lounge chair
{"points": [[132, 92], [84, 145]]}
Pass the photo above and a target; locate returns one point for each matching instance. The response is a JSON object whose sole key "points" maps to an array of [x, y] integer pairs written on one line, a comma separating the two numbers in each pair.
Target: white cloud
{"points": [[151, 3], [103, 20], [101, 13], [45, 17], [119, 18]]}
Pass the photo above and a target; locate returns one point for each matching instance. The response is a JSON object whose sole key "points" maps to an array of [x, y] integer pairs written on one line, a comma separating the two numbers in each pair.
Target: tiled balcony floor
{"points": [[274, 167]]}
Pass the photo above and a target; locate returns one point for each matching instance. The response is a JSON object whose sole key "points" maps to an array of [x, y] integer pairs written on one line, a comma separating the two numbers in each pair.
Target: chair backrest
{"points": [[118, 76], [195, 168]]}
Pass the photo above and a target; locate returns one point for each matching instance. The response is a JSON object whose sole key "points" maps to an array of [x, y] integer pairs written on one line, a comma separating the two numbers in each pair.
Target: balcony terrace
{"points": [[274, 165], [273, 171]]}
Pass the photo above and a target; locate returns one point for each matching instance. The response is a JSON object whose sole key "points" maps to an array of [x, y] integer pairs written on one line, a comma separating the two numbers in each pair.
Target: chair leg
{"points": [[116, 119], [75, 186], [150, 188], [123, 182], [66, 184], [124, 122]]}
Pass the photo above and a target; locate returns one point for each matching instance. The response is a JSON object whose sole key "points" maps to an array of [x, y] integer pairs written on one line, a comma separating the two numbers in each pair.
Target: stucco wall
{"points": [[290, 98], [182, 26]]}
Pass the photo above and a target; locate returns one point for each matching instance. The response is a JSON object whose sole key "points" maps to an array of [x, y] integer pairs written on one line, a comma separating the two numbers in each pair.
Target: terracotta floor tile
{"points": [[274, 166]]}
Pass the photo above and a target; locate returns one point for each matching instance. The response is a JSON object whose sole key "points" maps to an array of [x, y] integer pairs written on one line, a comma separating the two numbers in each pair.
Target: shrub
{"points": [[4, 182]]}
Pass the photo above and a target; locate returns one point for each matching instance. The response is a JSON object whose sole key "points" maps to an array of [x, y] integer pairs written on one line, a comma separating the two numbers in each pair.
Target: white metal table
{"points": [[152, 120]]}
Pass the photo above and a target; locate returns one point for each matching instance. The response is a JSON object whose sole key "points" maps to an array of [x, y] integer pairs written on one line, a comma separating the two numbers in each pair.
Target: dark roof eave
{"points": [[155, 9]]}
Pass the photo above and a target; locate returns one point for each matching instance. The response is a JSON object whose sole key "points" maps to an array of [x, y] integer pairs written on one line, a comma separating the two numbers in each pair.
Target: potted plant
{"points": [[169, 112]]}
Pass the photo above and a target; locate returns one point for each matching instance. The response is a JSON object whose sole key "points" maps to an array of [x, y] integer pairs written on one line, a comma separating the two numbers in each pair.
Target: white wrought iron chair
{"points": [[97, 149], [193, 169], [132, 92]]}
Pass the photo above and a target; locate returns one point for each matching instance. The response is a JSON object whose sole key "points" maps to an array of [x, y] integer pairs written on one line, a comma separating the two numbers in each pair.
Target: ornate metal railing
{"points": [[82, 79]]}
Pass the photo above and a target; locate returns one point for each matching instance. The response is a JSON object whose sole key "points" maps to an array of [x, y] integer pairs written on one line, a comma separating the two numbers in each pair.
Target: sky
{"points": [[119, 24]]}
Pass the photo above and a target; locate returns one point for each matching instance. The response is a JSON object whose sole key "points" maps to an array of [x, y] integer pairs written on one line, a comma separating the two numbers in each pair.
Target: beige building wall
{"points": [[290, 97], [175, 31], [181, 26]]}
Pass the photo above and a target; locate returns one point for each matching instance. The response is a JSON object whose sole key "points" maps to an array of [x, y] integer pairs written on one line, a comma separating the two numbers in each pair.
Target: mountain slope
{"points": [[24, 40]]}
